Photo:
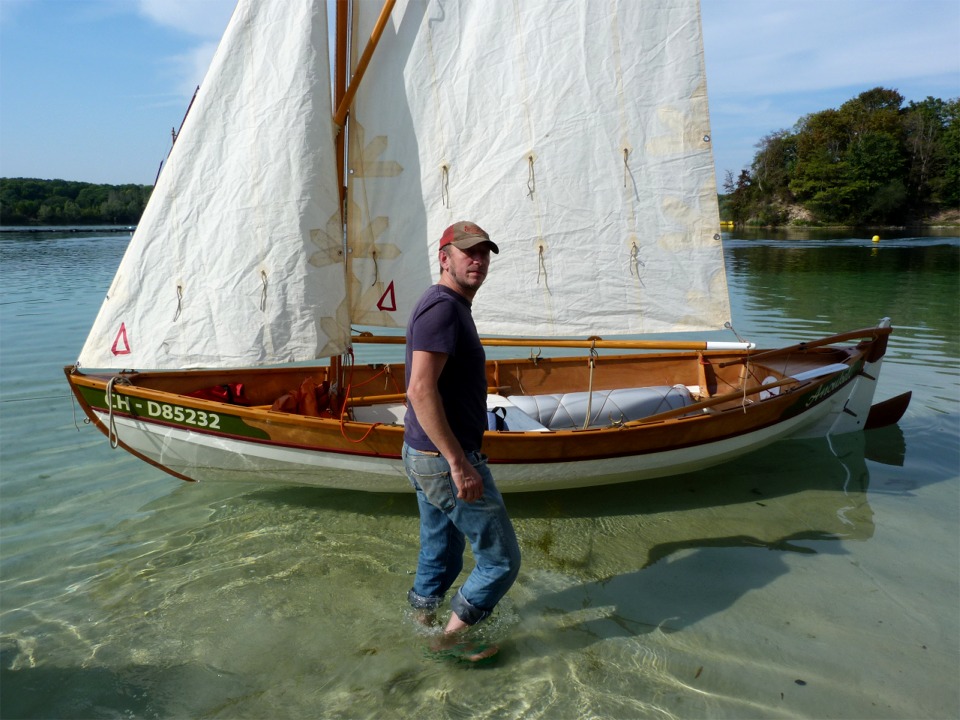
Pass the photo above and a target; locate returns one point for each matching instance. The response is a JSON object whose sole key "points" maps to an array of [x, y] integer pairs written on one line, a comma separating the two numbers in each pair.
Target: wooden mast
{"points": [[343, 98], [340, 71], [339, 90]]}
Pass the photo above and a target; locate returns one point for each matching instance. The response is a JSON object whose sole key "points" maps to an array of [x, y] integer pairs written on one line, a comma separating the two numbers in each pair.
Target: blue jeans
{"points": [[446, 522]]}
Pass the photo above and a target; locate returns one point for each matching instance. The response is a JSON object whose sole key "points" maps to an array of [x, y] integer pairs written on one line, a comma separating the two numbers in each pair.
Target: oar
{"points": [[710, 402], [872, 333]]}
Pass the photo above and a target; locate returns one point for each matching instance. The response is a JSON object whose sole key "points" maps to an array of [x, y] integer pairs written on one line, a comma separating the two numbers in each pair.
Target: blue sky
{"points": [[90, 89]]}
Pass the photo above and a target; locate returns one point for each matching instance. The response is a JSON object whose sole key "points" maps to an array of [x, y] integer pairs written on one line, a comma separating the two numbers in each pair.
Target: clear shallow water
{"points": [[806, 580]]}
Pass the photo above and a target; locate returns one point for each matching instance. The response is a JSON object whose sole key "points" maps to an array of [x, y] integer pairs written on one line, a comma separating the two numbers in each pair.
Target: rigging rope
{"points": [[445, 185], [542, 268], [592, 364], [635, 262], [112, 437], [385, 371], [531, 177], [176, 315]]}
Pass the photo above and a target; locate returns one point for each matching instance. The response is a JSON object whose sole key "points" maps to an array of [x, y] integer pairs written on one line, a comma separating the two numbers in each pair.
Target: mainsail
{"points": [[576, 133], [238, 258]]}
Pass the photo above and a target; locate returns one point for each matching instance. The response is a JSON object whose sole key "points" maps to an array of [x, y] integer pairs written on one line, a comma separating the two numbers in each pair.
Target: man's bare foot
{"points": [[464, 651]]}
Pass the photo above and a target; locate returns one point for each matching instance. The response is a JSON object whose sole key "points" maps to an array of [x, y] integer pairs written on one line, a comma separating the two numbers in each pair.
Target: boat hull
{"points": [[197, 439]]}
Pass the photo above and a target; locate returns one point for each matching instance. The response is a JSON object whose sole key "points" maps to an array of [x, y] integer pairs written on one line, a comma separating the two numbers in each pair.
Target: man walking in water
{"points": [[443, 430]]}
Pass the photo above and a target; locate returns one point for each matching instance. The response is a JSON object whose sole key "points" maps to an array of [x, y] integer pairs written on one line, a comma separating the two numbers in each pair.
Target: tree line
{"points": [[873, 161], [28, 201]]}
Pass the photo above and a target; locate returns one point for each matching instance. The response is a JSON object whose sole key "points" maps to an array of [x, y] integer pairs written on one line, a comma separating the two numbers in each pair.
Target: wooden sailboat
{"points": [[289, 215]]}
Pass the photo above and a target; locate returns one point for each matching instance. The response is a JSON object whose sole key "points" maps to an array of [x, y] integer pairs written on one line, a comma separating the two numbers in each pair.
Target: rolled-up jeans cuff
{"points": [[470, 614], [423, 602]]}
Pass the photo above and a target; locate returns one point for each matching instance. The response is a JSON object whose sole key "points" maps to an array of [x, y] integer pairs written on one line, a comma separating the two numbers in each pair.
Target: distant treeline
{"points": [[872, 162], [27, 201]]}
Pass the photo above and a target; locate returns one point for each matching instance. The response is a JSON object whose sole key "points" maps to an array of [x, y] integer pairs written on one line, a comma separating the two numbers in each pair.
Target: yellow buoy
{"points": [[876, 238]]}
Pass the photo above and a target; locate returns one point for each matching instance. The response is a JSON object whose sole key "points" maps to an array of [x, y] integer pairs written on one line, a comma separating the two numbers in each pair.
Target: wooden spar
{"points": [[543, 342], [871, 333], [344, 107], [340, 89]]}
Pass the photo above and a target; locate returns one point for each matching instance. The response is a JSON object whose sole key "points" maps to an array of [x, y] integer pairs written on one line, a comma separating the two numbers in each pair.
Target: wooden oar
{"points": [[710, 402], [872, 333]]}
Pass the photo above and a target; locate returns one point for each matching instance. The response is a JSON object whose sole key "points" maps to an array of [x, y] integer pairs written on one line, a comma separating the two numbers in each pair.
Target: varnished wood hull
{"points": [[152, 416]]}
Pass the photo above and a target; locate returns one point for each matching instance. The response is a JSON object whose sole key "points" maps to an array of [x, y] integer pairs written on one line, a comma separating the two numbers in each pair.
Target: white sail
{"points": [[238, 257], [576, 133]]}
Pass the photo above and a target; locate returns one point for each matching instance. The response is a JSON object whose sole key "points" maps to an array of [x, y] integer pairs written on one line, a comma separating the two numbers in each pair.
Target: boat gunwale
{"points": [[386, 432]]}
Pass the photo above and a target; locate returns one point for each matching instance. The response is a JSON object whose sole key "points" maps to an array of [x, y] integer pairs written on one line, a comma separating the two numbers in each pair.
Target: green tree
{"points": [[947, 185], [774, 164], [739, 198], [25, 201]]}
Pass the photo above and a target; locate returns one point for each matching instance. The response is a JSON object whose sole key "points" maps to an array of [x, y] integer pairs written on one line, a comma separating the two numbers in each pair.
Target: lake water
{"points": [[811, 579]]}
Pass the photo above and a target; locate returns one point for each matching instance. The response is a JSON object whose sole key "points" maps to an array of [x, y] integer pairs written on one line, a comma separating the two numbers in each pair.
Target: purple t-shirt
{"points": [[441, 322]]}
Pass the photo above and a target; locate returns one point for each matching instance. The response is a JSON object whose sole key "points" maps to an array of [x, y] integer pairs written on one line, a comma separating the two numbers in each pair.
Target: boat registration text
{"points": [[166, 411]]}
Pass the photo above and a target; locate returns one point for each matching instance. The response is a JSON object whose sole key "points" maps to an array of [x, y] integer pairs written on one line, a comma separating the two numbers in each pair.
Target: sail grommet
{"points": [[706, 138]]}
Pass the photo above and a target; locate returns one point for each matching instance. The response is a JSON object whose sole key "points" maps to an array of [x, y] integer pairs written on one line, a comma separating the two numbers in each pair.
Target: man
{"points": [[443, 430]]}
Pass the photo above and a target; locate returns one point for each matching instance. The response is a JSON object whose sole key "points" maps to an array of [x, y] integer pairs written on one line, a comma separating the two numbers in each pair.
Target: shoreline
{"points": [[724, 225], [66, 228]]}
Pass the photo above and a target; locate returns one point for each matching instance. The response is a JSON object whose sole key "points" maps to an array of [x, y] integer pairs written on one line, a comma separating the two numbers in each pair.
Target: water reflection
{"points": [[813, 490], [837, 286], [129, 691], [126, 593]]}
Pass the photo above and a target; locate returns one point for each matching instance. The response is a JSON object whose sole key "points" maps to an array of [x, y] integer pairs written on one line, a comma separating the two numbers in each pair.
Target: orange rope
{"points": [[349, 393]]}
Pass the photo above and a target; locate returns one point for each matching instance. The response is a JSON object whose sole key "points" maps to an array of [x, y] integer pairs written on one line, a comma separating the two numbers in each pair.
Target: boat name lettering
{"points": [[186, 416], [830, 387]]}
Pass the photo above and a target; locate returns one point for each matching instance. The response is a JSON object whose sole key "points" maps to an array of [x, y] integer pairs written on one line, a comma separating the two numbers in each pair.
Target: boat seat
{"points": [[607, 407]]}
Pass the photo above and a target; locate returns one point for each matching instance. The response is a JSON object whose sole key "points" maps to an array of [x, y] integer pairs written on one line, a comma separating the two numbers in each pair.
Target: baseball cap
{"points": [[464, 235]]}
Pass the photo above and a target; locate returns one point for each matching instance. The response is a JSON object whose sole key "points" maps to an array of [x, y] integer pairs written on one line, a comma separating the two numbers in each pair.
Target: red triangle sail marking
{"points": [[120, 344], [388, 301]]}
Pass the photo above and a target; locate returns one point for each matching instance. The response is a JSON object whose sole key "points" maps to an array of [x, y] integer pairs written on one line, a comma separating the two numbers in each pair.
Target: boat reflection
{"points": [[789, 493], [786, 494]]}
